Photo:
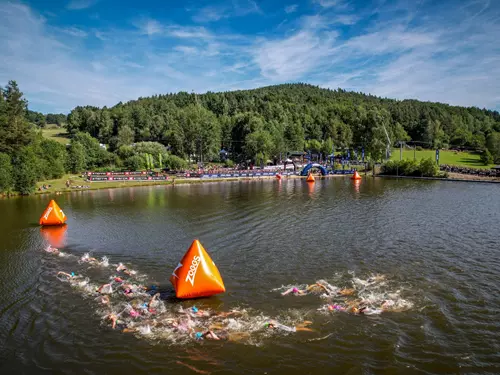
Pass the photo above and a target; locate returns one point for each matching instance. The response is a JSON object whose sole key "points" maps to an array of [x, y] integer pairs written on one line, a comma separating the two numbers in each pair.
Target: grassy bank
{"points": [[56, 133], [466, 159]]}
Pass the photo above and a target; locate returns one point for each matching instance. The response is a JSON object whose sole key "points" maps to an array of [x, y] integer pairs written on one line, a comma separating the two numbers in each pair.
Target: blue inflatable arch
{"points": [[313, 165]]}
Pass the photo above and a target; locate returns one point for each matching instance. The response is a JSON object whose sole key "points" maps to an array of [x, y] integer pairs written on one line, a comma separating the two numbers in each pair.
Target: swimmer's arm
{"points": [[63, 273], [287, 292]]}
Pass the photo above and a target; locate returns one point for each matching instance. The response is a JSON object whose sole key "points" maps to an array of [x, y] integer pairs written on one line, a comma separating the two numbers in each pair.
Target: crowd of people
{"points": [[126, 303]]}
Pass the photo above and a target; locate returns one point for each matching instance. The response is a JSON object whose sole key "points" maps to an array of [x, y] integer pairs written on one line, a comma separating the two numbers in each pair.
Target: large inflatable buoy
{"points": [[53, 215], [356, 176], [196, 275], [310, 178]]}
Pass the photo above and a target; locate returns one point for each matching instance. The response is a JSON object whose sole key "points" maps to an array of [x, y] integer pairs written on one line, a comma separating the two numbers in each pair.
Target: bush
{"points": [[229, 163], [135, 163], [175, 163], [423, 168], [486, 157]]}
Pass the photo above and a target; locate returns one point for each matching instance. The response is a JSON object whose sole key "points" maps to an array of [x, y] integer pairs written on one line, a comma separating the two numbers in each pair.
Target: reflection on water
{"points": [[434, 311]]}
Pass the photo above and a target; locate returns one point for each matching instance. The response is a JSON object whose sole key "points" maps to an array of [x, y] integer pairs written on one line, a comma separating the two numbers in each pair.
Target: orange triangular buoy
{"points": [[310, 178], [356, 176], [196, 275], [55, 235], [53, 215]]}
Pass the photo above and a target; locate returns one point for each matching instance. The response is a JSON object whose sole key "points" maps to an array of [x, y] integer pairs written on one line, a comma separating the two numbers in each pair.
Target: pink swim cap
{"points": [[134, 313], [295, 290]]}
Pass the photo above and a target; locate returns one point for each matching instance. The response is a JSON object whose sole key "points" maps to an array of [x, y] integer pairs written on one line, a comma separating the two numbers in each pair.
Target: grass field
{"points": [[465, 159], [56, 134]]}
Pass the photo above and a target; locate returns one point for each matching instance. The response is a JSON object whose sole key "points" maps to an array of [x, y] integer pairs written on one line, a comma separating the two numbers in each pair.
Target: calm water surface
{"points": [[437, 243]]}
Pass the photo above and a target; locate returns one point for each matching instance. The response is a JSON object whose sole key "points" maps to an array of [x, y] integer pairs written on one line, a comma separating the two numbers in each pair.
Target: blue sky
{"points": [[65, 53]]}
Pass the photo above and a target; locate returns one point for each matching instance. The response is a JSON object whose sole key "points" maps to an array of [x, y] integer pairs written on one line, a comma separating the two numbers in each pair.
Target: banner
{"points": [[127, 178]]}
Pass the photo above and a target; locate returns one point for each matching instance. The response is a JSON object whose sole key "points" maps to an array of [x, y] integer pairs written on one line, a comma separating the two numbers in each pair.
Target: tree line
{"points": [[252, 125], [40, 120], [267, 122]]}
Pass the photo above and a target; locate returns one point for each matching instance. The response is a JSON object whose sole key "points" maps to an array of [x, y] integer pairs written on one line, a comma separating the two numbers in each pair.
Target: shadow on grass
{"points": [[470, 161]]}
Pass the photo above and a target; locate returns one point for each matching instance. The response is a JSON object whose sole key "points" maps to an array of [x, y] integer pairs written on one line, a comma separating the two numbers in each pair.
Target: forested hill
{"points": [[266, 121]]}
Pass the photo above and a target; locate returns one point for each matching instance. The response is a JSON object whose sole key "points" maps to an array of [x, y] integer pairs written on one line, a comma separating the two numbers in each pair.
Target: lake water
{"points": [[435, 243]]}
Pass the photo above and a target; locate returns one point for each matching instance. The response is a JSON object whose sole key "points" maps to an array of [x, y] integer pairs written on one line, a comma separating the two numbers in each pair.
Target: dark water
{"points": [[437, 244]]}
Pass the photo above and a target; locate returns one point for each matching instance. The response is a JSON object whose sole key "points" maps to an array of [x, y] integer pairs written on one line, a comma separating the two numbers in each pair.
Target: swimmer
{"points": [[104, 299], [52, 250], [317, 288], [86, 258], [375, 279], [105, 289], [183, 324], [336, 307], [122, 268], [211, 335], [153, 301], [295, 291], [346, 292], [273, 324], [67, 276]]}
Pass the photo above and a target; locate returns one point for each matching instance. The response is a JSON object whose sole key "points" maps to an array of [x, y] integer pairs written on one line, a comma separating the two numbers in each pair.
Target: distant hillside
{"points": [[264, 122]]}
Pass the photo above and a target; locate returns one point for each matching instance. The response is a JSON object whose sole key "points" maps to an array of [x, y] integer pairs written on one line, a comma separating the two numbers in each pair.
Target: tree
{"points": [[15, 131], [258, 146], [6, 171], [76, 159], [25, 171], [52, 158]]}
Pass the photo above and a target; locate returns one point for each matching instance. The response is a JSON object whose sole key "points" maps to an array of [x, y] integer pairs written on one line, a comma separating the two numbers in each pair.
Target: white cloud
{"points": [[186, 50], [346, 19], [74, 31], [291, 8], [210, 14], [390, 40], [291, 58], [329, 3], [149, 27], [237, 8], [81, 4]]}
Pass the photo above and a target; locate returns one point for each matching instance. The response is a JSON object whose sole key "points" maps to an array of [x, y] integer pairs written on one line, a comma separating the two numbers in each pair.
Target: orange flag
{"points": [[53, 215], [196, 275]]}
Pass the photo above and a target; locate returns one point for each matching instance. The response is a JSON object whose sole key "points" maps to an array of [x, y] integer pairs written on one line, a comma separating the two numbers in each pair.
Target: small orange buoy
{"points": [[53, 215], [196, 275], [356, 176], [310, 178]]}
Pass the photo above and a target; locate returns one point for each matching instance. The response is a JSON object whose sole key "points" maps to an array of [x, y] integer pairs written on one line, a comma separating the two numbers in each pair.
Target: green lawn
{"points": [[465, 159], [56, 133]]}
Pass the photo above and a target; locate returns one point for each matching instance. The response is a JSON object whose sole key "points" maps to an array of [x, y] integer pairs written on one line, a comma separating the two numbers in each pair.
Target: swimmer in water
{"points": [[104, 299], [295, 291], [346, 292], [67, 276], [86, 258], [274, 325], [52, 250], [122, 268], [105, 289]]}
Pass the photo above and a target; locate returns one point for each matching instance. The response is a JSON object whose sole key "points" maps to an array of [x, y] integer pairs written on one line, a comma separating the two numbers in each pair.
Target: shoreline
{"points": [[449, 179], [95, 185]]}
